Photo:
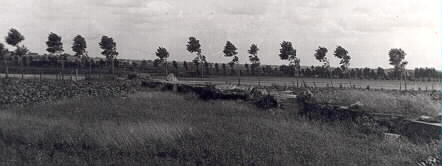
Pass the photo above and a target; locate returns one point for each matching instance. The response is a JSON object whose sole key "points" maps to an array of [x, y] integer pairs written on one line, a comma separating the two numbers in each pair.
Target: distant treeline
{"points": [[221, 69], [20, 59]]}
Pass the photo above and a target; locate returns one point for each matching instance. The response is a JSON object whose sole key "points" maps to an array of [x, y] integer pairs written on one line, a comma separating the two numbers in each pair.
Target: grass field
{"points": [[407, 104], [158, 128], [320, 82]]}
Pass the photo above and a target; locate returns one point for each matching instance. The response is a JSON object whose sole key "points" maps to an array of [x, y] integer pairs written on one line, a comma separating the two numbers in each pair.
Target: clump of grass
{"points": [[155, 128], [411, 105]]}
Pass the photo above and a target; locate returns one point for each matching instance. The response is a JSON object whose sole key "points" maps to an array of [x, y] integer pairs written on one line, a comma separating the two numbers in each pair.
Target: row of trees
{"points": [[55, 48], [287, 52]]}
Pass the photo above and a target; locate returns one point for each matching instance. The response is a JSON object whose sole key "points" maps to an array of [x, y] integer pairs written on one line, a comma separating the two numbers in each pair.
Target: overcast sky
{"points": [[366, 28]]}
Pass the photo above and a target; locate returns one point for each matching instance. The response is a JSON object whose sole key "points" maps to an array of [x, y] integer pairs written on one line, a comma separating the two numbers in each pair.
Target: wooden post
{"points": [[7, 68], [21, 67], [62, 69], [405, 81], [239, 77], [76, 74]]}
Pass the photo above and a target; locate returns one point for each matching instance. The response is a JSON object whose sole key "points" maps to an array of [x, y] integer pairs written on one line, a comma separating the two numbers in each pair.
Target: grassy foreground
{"points": [[407, 104], [157, 128]]}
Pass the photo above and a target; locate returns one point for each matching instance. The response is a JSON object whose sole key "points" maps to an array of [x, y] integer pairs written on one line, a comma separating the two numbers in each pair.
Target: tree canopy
{"points": [[342, 54], [230, 50], [55, 46], [321, 56], [162, 54], [396, 56], [109, 47], [14, 37], [79, 46], [287, 52], [193, 45], [254, 59]]}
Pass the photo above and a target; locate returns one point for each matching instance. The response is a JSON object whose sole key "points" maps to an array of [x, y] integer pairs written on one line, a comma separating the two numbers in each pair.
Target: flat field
{"points": [[160, 128], [318, 82]]}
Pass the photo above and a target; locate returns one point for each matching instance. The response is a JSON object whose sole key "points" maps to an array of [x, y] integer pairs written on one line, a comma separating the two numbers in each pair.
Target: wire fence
{"points": [[254, 81]]}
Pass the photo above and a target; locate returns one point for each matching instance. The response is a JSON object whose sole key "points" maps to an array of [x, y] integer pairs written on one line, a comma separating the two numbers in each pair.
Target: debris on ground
{"points": [[356, 105], [171, 78]]}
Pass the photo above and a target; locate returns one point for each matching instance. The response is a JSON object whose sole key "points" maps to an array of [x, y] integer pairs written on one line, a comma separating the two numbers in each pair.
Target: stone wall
{"points": [[21, 92]]}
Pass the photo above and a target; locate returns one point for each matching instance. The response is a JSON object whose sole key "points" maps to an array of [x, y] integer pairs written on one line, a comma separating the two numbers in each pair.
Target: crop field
{"points": [[319, 82], [162, 128]]}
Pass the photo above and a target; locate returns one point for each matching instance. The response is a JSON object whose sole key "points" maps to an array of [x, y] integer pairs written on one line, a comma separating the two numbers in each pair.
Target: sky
{"points": [[367, 29]]}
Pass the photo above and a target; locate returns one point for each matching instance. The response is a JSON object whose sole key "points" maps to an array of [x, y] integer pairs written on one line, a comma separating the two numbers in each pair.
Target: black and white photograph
{"points": [[220, 82]]}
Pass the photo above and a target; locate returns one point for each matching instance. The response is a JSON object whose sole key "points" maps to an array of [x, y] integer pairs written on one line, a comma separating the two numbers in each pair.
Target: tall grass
{"points": [[155, 128], [411, 105]]}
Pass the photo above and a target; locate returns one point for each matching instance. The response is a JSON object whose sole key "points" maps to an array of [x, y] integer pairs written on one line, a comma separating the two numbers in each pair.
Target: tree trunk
{"points": [[90, 69], [202, 66], [239, 77], [167, 73], [62, 70], [112, 66], [21, 67], [76, 74], [405, 81], [6, 68]]}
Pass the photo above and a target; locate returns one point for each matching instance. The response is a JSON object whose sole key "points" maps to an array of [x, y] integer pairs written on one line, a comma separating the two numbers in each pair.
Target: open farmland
{"points": [[318, 82], [147, 128]]}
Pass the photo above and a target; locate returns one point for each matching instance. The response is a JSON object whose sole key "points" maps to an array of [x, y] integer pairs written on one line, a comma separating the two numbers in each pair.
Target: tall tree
{"points": [[254, 59], [231, 51], [14, 38], [79, 47], [321, 56], [397, 56], [185, 65], [342, 54], [109, 50], [194, 46], [55, 47], [288, 52], [380, 72], [3, 52], [217, 68], [175, 65], [162, 55]]}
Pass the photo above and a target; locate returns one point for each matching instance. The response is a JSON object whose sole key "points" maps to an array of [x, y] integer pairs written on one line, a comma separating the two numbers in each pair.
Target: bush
{"points": [[266, 102]]}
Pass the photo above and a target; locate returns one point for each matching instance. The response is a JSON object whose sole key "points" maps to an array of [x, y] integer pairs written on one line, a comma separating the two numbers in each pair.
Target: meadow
{"points": [[162, 128], [408, 104], [318, 82]]}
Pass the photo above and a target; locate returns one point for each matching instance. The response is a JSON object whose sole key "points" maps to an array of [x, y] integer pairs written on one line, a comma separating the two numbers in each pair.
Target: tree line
{"points": [[287, 53]]}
